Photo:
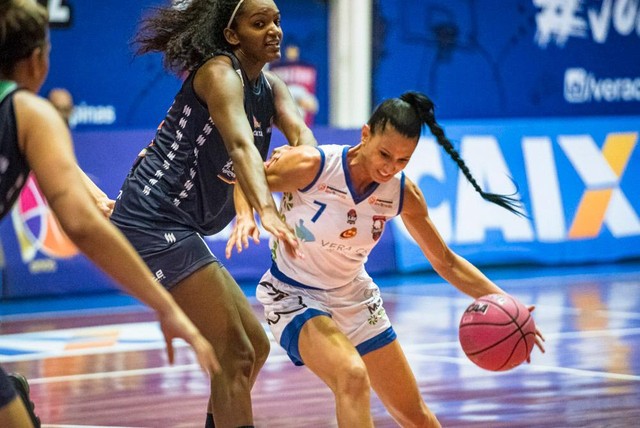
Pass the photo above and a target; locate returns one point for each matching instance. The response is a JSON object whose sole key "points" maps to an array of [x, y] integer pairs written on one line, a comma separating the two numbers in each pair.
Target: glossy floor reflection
{"points": [[105, 366]]}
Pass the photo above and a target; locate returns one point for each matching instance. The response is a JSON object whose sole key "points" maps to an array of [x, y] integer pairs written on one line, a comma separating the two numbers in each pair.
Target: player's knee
{"points": [[261, 347], [353, 379]]}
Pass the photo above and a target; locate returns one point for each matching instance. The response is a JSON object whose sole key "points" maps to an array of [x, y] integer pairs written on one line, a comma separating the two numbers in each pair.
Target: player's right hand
{"points": [[274, 224], [175, 324]]}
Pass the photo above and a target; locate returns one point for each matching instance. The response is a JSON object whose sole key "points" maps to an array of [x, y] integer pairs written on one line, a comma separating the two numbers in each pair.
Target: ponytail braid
{"points": [[425, 109]]}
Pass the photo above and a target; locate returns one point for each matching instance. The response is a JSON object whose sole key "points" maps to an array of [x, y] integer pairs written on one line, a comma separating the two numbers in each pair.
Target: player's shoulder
{"points": [[218, 68], [29, 105]]}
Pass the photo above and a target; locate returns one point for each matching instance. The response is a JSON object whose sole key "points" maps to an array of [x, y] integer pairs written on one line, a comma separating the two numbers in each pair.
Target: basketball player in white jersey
{"points": [[324, 309]]}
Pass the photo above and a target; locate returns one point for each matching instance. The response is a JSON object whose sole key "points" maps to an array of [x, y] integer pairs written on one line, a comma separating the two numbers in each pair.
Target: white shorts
{"points": [[356, 308]]}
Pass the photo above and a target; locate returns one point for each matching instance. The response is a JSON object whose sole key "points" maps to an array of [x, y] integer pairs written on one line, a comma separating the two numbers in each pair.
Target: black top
{"points": [[14, 168], [185, 179]]}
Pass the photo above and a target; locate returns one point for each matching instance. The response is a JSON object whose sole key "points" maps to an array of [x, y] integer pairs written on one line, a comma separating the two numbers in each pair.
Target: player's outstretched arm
{"points": [[46, 143], [245, 226], [453, 268]]}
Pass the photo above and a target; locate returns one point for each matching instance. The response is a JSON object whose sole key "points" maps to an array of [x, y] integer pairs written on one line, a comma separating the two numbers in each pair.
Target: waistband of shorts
{"points": [[277, 273]]}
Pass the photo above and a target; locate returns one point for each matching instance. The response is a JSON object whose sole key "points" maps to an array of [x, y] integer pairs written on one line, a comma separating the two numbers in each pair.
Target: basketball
{"points": [[497, 332]]}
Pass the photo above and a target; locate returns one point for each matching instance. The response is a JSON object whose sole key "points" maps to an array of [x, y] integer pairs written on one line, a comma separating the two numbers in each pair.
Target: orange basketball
{"points": [[497, 332]]}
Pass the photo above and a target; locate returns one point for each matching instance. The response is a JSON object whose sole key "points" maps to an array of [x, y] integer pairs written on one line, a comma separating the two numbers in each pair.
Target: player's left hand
{"points": [[244, 228], [175, 324], [105, 205], [539, 337], [276, 154]]}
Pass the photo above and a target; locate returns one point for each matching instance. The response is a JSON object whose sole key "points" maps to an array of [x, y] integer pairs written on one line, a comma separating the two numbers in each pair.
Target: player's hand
{"points": [[274, 224], [175, 324], [244, 228], [539, 337], [105, 205], [276, 154]]}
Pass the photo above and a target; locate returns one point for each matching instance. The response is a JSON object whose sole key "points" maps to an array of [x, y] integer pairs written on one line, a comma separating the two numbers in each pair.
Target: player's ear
{"points": [[365, 134], [231, 37]]}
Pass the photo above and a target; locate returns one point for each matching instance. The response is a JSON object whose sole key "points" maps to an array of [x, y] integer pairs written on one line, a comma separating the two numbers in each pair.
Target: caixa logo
{"points": [[37, 229], [574, 184], [581, 86]]}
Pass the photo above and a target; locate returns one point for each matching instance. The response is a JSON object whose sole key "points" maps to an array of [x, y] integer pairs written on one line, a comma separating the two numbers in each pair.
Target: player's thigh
{"points": [[217, 306], [328, 352]]}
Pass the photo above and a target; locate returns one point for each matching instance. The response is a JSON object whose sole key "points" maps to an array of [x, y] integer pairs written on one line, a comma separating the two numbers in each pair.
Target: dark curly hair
{"points": [[407, 114], [187, 33]]}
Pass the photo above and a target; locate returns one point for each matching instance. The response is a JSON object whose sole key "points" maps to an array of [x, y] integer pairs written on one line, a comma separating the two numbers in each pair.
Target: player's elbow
{"points": [[79, 228], [445, 261]]}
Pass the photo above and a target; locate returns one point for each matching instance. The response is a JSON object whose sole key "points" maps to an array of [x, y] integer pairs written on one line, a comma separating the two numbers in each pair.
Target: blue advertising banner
{"points": [[520, 58], [40, 260], [577, 178], [92, 56]]}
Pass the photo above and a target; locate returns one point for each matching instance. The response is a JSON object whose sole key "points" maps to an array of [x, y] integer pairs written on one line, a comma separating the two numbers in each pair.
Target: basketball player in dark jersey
{"points": [[216, 133], [33, 137]]}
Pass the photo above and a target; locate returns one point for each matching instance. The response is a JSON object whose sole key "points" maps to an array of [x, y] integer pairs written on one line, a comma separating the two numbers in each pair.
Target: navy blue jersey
{"points": [[13, 165], [186, 177]]}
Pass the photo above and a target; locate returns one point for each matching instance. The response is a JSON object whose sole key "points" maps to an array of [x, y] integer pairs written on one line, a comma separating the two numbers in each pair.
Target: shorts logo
{"points": [[159, 275], [273, 317], [170, 238]]}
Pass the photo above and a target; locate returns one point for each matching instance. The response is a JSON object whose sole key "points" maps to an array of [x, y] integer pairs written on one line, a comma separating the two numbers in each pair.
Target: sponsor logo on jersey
{"points": [[378, 226], [257, 128], [332, 190], [352, 216], [227, 174], [349, 233], [303, 233], [342, 248], [373, 200]]}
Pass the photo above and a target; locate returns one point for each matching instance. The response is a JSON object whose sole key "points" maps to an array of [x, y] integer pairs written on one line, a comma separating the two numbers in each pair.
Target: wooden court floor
{"points": [[98, 360]]}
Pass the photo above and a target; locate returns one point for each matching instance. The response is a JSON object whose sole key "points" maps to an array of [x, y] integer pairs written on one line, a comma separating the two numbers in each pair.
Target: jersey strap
{"points": [[6, 87]]}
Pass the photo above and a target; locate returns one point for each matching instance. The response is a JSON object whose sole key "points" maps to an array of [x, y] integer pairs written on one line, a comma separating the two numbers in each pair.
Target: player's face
{"points": [[386, 152], [258, 31]]}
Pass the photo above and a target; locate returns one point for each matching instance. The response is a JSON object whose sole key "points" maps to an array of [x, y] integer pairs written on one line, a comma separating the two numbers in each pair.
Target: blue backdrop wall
{"points": [[517, 58], [544, 91]]}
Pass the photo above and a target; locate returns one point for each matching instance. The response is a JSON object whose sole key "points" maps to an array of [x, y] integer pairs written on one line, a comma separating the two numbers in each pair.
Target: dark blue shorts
{"points": [[172, 255], [7, 392]]}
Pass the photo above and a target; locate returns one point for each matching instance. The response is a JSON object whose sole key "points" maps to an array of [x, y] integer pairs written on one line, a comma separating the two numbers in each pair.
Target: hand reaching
{"points": [[244, 228], [274, 224], [276, 154], [539, 338], [175, 324], [105, 205]]}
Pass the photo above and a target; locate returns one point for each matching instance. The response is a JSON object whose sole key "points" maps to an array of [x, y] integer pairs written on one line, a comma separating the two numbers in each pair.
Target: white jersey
{"points": [[336, 228]]}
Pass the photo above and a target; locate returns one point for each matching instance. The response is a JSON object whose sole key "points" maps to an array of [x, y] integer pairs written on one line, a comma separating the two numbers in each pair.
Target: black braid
{"points": [[426, 113]]}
